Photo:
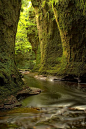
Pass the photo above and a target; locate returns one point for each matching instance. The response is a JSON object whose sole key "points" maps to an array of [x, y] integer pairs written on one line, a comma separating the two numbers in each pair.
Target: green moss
{"points": [[49, 37], [24, 110], [33, 38], [38, 60], [63, 45], [10, 81], [7, 126], [71, 21]]}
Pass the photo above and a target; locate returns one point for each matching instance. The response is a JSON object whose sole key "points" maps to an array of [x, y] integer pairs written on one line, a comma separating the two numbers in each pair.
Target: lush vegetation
{"points": [[65, 53], [37, 41], [25, 57]]}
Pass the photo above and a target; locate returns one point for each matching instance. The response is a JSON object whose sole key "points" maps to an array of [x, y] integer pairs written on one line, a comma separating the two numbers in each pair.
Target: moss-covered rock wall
{"points": [[33, 38], [49, 36], [71, 20], [10, 80], [69, 25]]}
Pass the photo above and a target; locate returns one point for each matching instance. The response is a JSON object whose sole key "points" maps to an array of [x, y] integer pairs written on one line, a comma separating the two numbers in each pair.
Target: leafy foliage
{"points": [[22, 43], [24, 55]]}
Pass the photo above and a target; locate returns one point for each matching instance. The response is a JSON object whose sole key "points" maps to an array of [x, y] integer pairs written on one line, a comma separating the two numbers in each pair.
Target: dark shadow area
{"points": [[2, 83]]}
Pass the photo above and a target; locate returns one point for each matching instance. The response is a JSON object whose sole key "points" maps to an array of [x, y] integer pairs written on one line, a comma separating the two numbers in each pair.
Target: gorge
{"points": [[57, 37]]}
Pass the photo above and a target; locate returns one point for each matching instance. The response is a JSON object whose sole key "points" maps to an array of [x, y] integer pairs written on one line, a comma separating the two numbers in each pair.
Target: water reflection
{"points": [[52, 109], [56, 93]]}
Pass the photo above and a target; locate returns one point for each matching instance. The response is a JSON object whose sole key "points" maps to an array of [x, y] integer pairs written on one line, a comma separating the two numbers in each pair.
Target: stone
{"points": [[28, 92], [70, 78]]}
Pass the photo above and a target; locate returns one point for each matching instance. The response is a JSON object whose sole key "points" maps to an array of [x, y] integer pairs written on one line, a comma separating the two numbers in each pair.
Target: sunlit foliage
{"points": [[22, 44], [24, 56]]}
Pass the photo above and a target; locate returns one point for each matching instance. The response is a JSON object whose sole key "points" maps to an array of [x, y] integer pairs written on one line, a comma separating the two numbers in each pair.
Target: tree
{"points": [[24, 55]]}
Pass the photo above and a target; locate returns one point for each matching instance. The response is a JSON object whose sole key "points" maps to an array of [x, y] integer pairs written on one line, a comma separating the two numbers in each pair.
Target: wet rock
{"points": [[17, 104], [82, 79], [70, 78], [40, 118], [10, 100], [10, 103], [56, 79], [10, 106], [41, 77], [28, 92], [52, 78]]}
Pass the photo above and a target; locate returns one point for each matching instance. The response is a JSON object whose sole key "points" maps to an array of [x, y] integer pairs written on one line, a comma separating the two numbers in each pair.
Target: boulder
{"points": [[28, 92], [10, 102]]}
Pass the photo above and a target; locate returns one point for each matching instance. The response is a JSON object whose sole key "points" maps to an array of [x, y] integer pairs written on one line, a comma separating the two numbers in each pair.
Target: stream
{"points": [[61, 105]]}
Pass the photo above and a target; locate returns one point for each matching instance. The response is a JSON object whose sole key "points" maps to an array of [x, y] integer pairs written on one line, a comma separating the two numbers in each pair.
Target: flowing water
{"points": [[61, 105]]}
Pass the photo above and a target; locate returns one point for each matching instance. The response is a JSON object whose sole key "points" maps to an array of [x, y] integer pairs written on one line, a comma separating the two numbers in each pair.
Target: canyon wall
{"points": [[10, 81], [62, 35], [49, 36]]}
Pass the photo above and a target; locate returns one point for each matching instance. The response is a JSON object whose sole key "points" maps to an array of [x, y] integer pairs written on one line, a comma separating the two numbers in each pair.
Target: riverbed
{"points": [[61, 105]]}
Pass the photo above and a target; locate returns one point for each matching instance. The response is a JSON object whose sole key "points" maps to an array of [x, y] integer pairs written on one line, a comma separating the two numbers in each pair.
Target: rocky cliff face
{"points": [[49, 36], [71, 19], [67, 30], [33, 38], [9, 77]]}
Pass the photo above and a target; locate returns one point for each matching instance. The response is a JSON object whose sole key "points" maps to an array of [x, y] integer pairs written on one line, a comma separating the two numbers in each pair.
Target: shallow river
{"points": [[56, 93], [61, 105]]}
